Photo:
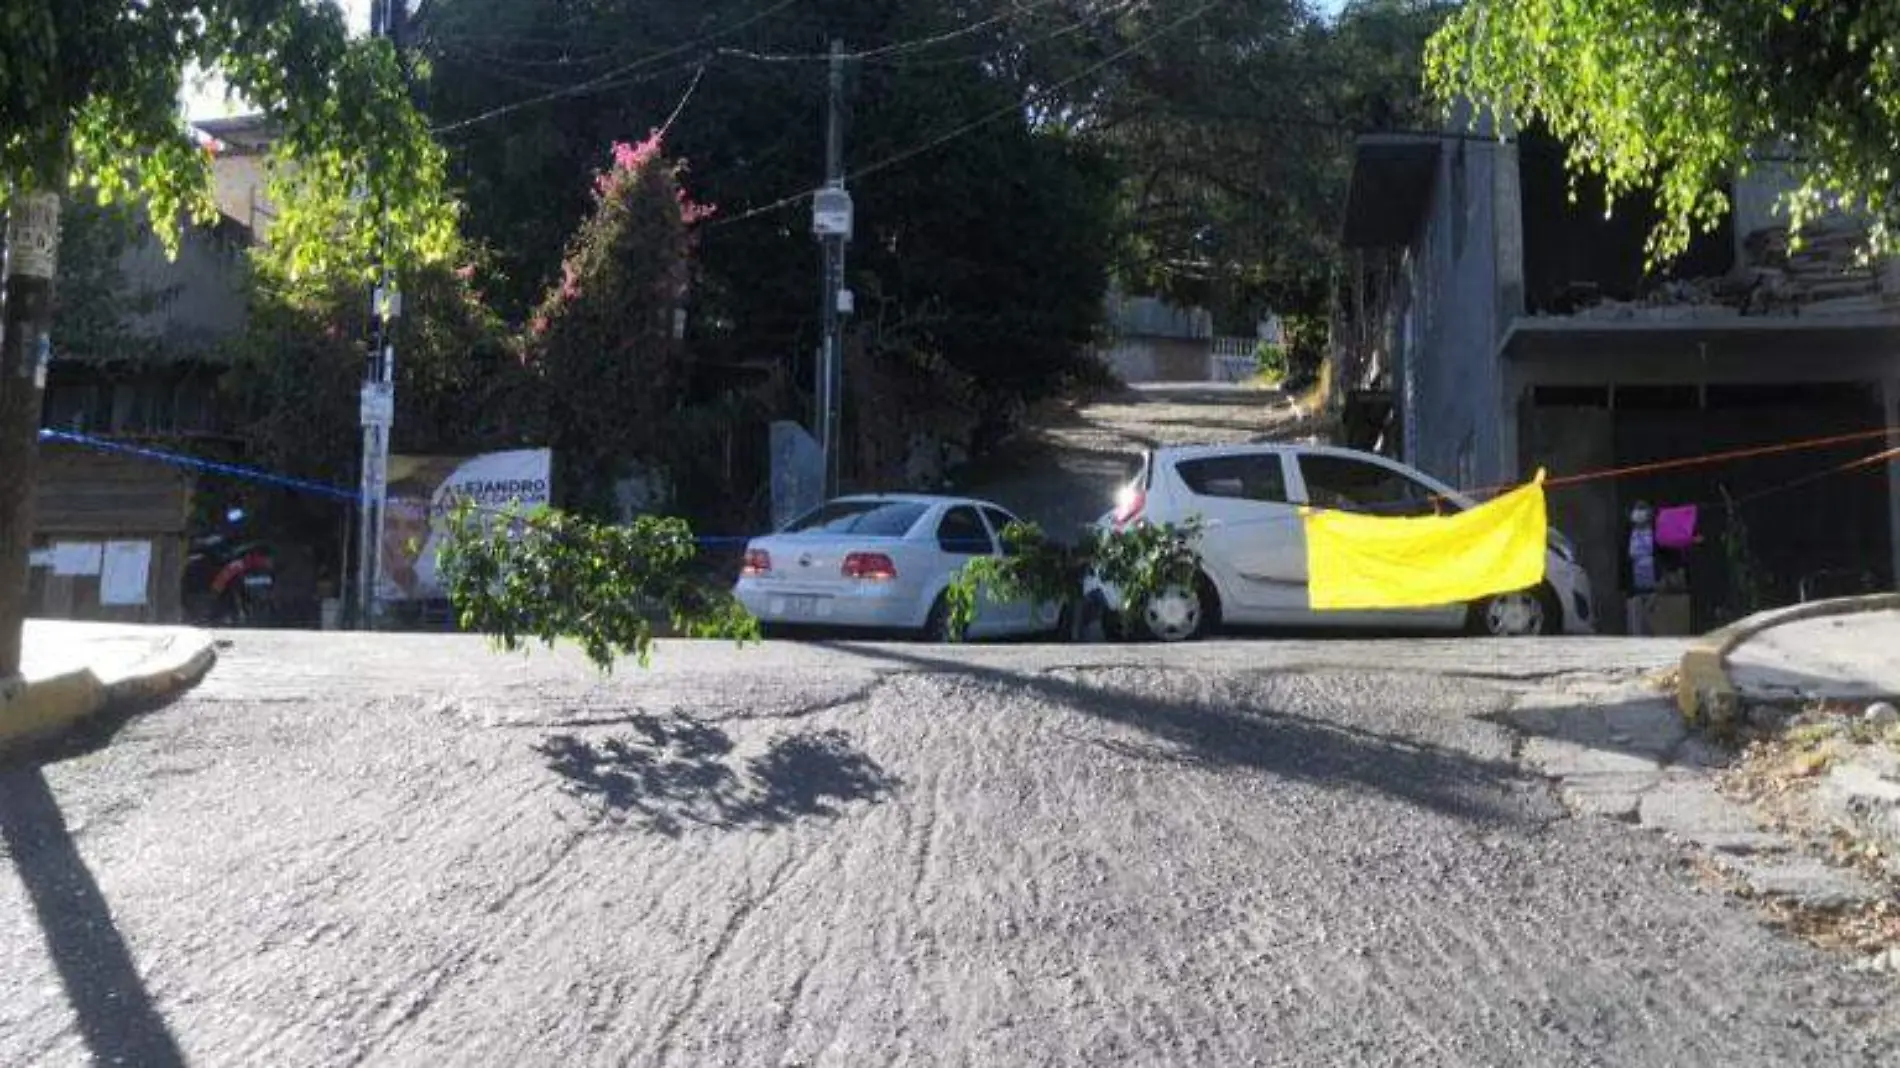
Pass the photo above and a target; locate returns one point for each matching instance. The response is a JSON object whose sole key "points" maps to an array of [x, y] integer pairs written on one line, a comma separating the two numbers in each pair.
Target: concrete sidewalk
{"points": [[1840, 651], [73, 671], [1830, 658]]}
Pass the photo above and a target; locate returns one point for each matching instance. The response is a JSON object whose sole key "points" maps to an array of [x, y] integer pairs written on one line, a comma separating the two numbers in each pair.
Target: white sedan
{"points": [[881, 563]]}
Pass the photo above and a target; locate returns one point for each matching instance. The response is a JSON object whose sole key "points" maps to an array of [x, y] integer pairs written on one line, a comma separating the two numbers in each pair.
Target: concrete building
{"points": [[1495, 326], [1152, 340]]}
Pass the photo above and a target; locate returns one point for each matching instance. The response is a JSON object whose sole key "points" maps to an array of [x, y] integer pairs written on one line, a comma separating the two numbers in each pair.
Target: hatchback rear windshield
{"points": [[875, 519]]}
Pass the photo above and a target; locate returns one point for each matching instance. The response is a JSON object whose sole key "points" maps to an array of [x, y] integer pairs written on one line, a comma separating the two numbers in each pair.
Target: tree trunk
{"points": [[32, 248]]}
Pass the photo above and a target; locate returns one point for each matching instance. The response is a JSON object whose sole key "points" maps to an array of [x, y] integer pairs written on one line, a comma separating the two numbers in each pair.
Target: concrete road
{"points": [[407, 850], [1064, 471]]}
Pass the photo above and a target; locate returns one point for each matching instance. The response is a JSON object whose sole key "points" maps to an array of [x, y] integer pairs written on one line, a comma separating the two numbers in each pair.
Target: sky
{"points": [[208, 102]]}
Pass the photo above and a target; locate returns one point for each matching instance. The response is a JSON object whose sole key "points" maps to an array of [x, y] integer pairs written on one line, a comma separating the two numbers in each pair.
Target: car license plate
{"points": [[805, 606], [253, 582]]}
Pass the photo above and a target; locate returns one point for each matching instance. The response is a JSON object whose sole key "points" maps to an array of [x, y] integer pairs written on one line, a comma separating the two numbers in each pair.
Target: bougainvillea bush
{"points": [[607, 337]]}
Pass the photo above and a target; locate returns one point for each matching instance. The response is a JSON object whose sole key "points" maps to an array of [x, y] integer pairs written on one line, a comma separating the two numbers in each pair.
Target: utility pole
{"points": [[378, 410], [26, 319], [831, 221]]}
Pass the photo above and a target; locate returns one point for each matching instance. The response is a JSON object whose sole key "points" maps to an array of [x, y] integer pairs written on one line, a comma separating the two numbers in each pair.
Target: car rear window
{"points": [[875, 519], [1245, 477]]}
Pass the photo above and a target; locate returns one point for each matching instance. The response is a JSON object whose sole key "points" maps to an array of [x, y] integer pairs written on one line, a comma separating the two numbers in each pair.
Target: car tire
{"points": [[1531, 613], [937, 623], [1177, 616]]}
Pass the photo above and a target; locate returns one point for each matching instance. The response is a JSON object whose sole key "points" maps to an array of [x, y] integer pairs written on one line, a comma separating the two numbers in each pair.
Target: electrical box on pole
{"points": [[831, 213]]}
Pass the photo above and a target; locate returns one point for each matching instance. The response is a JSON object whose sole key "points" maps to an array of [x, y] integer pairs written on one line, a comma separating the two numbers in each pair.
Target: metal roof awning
{"points": [[1738, 348], [1538, 337], [1392, 179]]}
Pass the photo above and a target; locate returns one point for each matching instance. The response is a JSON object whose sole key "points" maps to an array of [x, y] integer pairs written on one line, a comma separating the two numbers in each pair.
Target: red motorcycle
{"points": [[229, 581]]}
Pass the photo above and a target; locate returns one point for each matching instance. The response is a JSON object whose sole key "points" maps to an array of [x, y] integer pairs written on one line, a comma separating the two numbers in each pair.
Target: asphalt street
{"points": [[349, 849]]}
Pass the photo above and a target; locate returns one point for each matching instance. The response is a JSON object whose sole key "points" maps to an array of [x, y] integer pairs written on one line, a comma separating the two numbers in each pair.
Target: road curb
{"points": [[1704, 692], [34, 712]]}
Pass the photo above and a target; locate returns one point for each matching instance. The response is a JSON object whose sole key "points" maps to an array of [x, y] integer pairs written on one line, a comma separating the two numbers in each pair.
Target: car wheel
{"points": [[937, 623], [1178, 614], [1525, 614], [234, 608]]}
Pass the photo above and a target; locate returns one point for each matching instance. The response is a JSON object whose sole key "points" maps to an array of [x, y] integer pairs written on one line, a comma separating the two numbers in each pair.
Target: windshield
{"points": [[876, 519]]}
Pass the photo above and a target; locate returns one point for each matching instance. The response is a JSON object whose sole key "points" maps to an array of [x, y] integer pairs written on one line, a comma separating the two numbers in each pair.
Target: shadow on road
{"points": [[1267, 740], [670, 772], [115, 1012]]}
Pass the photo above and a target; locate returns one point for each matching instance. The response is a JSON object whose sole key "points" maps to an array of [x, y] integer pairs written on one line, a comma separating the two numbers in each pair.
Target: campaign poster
{"points": [[422, 488]]}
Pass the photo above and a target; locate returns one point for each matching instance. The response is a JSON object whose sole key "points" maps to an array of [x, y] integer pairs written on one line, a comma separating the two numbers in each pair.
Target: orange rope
{"points": [[1723, 457], [1712, 458]]}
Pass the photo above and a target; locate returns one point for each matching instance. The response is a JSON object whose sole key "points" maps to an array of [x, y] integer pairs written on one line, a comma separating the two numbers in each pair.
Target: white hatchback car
{"points": [[1253, 543], [881, 563]]}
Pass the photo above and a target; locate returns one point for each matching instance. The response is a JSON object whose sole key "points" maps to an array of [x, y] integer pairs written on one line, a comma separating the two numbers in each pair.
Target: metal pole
{"points": [[379, 378], [831, 370]]}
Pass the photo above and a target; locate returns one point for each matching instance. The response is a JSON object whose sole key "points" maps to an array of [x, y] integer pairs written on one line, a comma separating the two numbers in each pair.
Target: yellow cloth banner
{"points": [[1377, 562]]}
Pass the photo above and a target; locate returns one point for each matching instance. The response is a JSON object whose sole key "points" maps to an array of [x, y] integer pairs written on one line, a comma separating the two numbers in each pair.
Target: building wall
{"points": [[1149, 359], [1465, 286], [203, 287], [87, 498]]}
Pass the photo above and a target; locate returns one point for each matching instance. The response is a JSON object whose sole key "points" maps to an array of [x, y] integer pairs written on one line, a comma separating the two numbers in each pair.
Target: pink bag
{"points": [[1675, 527]]}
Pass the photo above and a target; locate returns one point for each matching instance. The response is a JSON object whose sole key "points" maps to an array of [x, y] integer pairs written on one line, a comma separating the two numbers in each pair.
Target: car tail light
{"points": [[876, 567], [1128, 505], [757, 562]]}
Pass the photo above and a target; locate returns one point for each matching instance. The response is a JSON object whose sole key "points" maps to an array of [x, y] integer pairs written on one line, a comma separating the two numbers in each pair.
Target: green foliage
{"points": [[1307, 337], [990, 252], [1677, 98], [1270, 361], [548, 575], [89, 101], [1235, 133], [296, 371], [604, 339], [1139, 561]]}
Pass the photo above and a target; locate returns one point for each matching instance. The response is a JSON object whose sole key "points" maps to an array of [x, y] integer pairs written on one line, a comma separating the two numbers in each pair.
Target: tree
{"points": [[1139, 562], [607, 338], [1234, 132], [88, 102], [297, 369], [989, 247], [1677, 98], [548, 575]]}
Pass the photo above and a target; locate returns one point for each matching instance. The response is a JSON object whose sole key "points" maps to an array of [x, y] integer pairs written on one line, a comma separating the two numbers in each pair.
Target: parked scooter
{"points": [[229, 580]]}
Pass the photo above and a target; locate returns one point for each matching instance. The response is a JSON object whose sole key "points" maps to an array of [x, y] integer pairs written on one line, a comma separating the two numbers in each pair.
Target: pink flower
{"points": [[630, 158], [692, 211]]}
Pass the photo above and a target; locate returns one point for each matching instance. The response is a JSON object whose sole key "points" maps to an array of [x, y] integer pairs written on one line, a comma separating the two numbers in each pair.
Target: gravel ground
{"points": [[407, 850]]}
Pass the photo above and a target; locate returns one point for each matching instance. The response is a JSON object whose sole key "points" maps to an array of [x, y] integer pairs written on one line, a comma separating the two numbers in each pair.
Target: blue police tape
{"points": [[200, 464], [254, 474]]}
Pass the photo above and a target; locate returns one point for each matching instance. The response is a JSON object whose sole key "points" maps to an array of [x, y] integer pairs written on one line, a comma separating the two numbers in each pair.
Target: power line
{"points": [[667, 126], [612, 79], [1064, 31], [600, 80], [1014, 108], [900, 47]]}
